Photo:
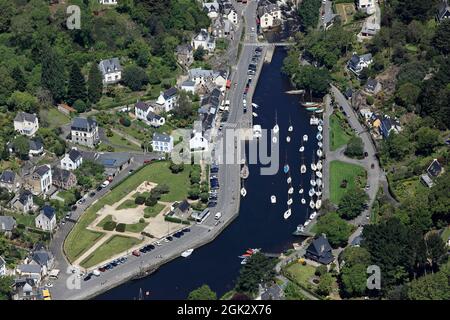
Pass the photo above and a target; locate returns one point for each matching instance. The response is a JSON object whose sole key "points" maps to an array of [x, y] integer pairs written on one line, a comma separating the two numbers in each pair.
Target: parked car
{"points": [[105, 183], [92, 194], [136, 253]]}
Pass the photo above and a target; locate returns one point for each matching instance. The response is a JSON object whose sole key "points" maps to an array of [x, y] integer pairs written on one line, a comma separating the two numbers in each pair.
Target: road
{"points": [[228, 202]]}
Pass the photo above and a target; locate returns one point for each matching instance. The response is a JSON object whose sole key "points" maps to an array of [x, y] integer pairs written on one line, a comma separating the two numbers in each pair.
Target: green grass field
{"points": [[123, 144], [136, 227], [338, 135], [339, 171], [150, 212], [105, 220], [301, 274], [127, 204], [80, 239], [56, 118], [111, 247]]}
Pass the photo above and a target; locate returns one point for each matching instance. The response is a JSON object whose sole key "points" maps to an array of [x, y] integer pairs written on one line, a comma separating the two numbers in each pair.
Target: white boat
{"points": [[187, 253], [244, 261], [320, 144], [274, 139], [311, 192], [319, 152], [287, 213], [289, 180], [255, 114], [291, 128], [303, 168], [257, 131], [313, 166], [273, 199], [303, 201], [318, 193], [288, 139], [306, 222], [312, 215], [314, 121], [319, 136], [300, 191], [254, 105], [312, 204], [243, 192], [318, 204], [319, 165], [320, 128], [312, 182], [305, 137], [319, 174], [289, 202], [320, 122], [302, 148], [318, 182], [276, 128], [291, 190]]}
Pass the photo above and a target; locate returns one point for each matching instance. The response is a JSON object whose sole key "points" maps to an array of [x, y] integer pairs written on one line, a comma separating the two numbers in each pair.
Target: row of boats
{"points": [[245, 256]]}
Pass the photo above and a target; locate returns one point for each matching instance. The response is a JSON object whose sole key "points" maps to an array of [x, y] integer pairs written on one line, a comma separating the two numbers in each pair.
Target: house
{"points": [[204, 40], [426, 180], [366, 113], [63, 179], [162, 142], [320, 250], [443, 11], [145, 112], [269, 15], [212, 9], [185, 55], [370, 28], [84, 131], [26, 123], [10, 181], [435, 169], [201, 76], [46, 220], [72, 160], [348, 93], [114, 162], [44, 259], [358, 63], [24, 202], [218, 28], [200, 216], [232, 16], [220, 79], [155, 120], [2, 266], [36, 148], [66, 109], [188, 86], [108, 2], [373, 86], [198, 142], [181, 210], [29, 270], [111, 70], [168, 99], [7, 225], [26, 288], [389, 125], [40, 181], [366, 5], [328, 15]]}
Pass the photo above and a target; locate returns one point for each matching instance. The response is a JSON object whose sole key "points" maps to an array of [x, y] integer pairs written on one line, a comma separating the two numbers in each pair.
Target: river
{"points": [[260, 224]]}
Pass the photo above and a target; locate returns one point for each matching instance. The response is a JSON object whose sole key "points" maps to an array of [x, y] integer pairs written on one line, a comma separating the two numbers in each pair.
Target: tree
{"points": [[407, 95], [354, 255], [5, 287], [441, 40], [439, 201], [22, 146], [183, 108], [336, 229], [94, 84], [315, 80], [293, 292], [202, 293], [19, 77], [53, 73], [134, 77], [325, 285], [355, 147], [354, 280], [199, 54], [396, 146], [308, 11], [23, 101], [77, 85], [427, 139], [431, 287], [352, 203], [176, 168], [258, 270]]}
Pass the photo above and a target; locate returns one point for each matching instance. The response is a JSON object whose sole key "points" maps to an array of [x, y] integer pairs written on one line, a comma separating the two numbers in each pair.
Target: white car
{"points": [[253, 29], [105, 183]]}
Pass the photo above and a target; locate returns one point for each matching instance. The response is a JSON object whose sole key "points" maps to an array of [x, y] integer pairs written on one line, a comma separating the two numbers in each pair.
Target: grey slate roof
{"points": [[142, 106], [109, 65], [434, 168], [41, 257], [184, 49], [169, 93], [35, 145], [25, 196], [61, 175], [29, 268], [320, 250], [199, 72], [74, 155], [7, 223], [83, 124], [8, 176], [48, 211], [151, 115], [24, 116], [113, 159], [161, 137], [371, 84], [42, 170], [443, 9]]}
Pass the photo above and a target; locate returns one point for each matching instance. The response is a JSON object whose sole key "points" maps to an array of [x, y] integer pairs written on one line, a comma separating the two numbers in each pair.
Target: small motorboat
{"points": [[319, 165], [319, 152], [276, 128], [313, 166], [291, 128], [254, 105], [187, 253], [291, 190], [303, 201], [318, 182], [302, 148], [312, 192], [305, 137], [288, 139], [255, 114], [318, 193], [313, 182], [320, 128], [286, 168], [314, 121], [319, 174], [318, 204], [300, 191], [303, 168], [312, 215], [274, 139], [244, 261], [320, 144], [312, 204], [307, 222], [243, 192], [289, 180], [287, 214], [320, 122], [289, 202], [319, 136], [273, 199], [299, 230]]}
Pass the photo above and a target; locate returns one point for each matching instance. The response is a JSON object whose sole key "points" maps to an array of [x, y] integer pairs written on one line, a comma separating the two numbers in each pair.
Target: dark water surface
{"points": [[260, 224]]}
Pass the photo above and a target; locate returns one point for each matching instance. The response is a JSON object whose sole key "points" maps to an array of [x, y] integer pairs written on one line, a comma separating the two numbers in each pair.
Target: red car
{"points": [[136, 253], [147, 161]]}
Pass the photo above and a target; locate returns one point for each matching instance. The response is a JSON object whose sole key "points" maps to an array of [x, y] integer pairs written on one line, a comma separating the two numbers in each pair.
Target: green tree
{"points": [[441, 40], [396, 146], [183, 109], [431, 287], [325, 285], [22, 146], [258, 270], [355, 147], [19, 77], [314, 80], [202, 293], [354, 255], [439, 201], [407, 95], [293, 292], [354, 280], [23, 101], [427, 139], [77, 85], [199, 54], [336, 229], [352, 203], [53, 73], [134, 77], [308, 11], [5, 287], [94, 84]]}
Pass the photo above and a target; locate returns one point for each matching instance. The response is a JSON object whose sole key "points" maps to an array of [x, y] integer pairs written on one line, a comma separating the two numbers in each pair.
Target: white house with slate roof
{"points": [[7, 225], [201, 76], [84, 131], [46, 220], [111, 70], [145, 112], [357, 63], [72, 160], [188, 86], [168, 99], [204, 40], [24, 202], [269, 15], [10, 181], [212, 9], [40, 180], [162, 142], [26, 124]]}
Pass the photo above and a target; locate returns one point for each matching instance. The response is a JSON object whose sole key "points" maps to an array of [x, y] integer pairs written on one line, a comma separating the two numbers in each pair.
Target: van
{"points": [[218, 215]]}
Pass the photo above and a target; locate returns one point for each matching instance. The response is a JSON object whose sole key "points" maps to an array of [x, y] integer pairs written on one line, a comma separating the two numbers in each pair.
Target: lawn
{"points": [[110, 248], [67, 196], [404, 189], [339, 135], [301, 274], [127, 204], [339, 171], [80, 239], [136, 227], [120, 143], [55, 118], [151, 212], [24, 219], [105, 220]]}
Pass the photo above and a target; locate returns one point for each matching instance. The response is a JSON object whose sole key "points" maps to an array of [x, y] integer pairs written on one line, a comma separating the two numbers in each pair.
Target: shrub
{"points": [[151, 201], [109, 226], [141, 220], [139, 200], [320, 270], [121, 227], [370, 100]]}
